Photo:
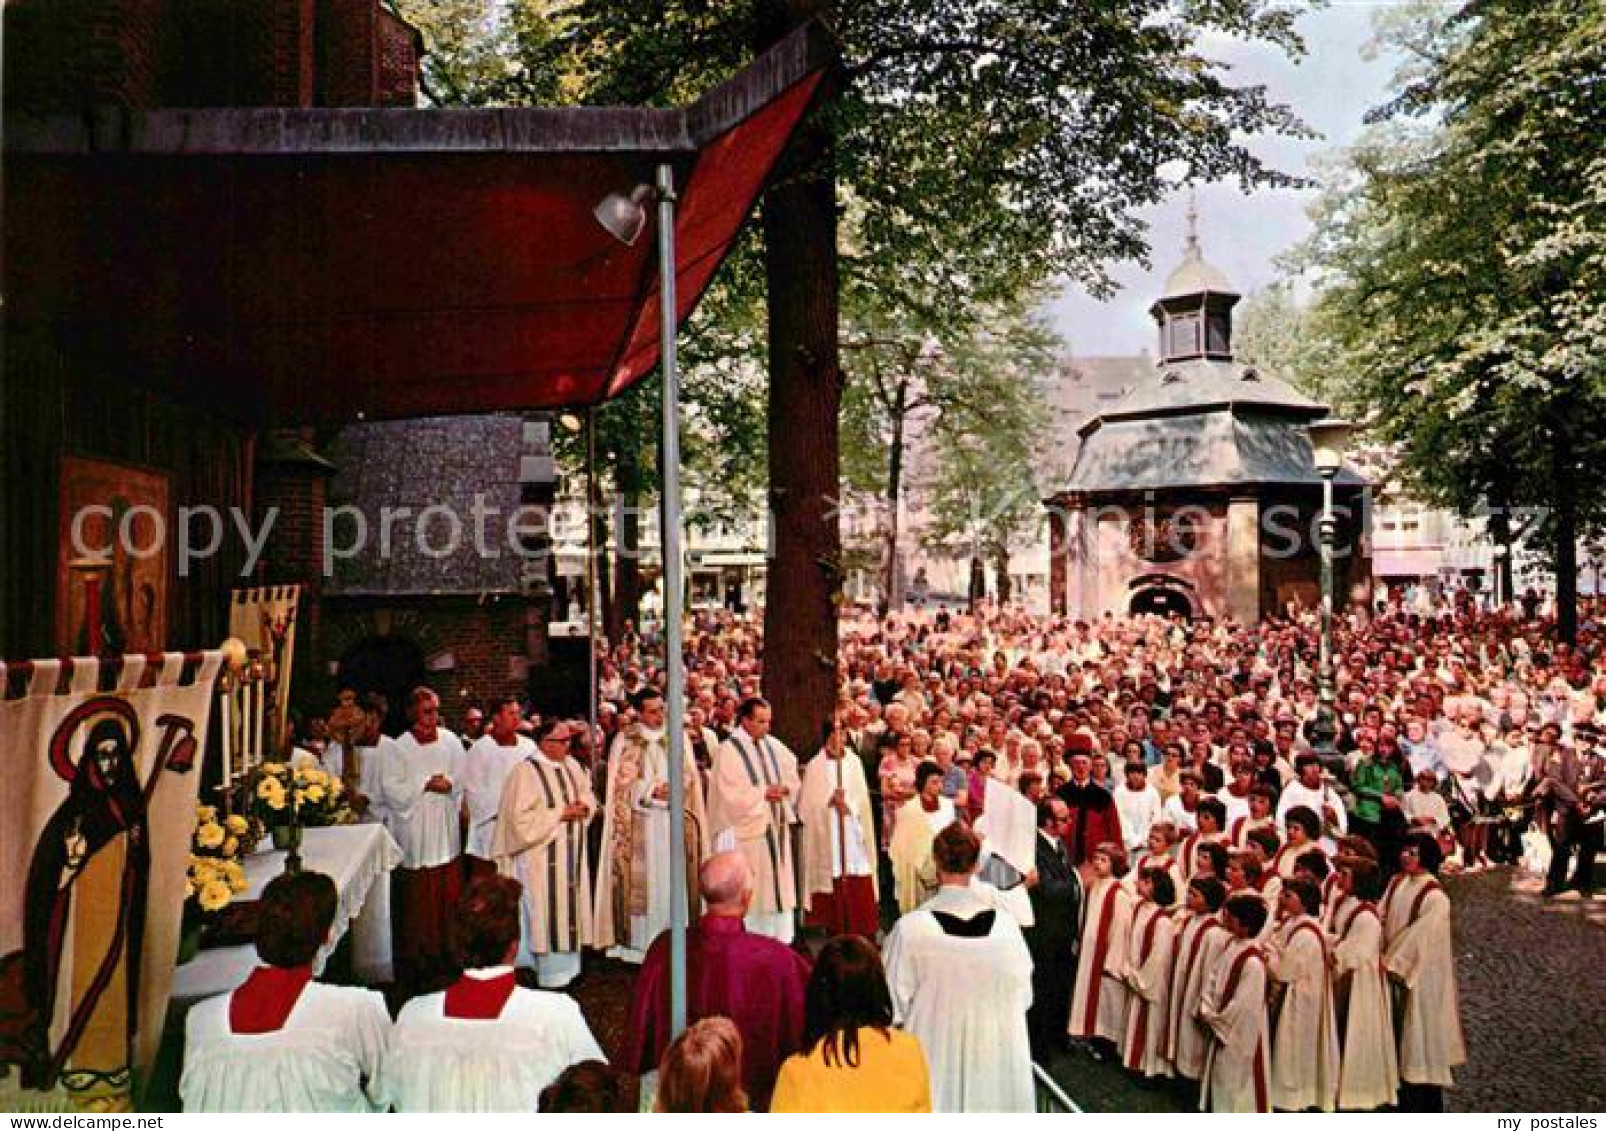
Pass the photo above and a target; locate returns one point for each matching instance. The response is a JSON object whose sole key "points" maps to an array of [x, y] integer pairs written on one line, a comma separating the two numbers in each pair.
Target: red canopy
{"points": [[320, 265]]}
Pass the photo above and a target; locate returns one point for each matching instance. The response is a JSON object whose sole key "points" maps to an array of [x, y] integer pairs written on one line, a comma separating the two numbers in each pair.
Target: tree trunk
{"points": [[978, 582], [891, 587], [805, 400], [1500, 535], [1001, 570], [1566, 532]]}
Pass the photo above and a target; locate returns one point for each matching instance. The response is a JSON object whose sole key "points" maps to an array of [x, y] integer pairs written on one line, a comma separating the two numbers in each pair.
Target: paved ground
{"points": [[1533, 1003]]}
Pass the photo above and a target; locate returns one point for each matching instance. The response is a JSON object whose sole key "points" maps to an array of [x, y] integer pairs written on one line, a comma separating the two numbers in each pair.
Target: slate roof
{"points": [[434, 462]]}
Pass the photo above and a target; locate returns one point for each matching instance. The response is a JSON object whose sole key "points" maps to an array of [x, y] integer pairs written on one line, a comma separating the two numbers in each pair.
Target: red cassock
{"points": [[1094, 819], [755, 981]]}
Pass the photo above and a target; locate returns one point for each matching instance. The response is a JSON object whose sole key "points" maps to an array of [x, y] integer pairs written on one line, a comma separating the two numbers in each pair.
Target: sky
{"points": [[1330, 88]]}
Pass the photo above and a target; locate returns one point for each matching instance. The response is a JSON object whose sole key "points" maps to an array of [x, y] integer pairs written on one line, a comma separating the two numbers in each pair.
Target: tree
{"points": [[1463, 252], [983, 491], [990, 145]]}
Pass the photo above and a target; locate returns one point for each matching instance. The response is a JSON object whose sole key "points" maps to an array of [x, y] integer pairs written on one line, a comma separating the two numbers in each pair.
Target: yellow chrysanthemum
{"points": [[237, 824], [231, 846], [205, 813], [271, 792], [209, 835], [314, 794], [215, 896]]}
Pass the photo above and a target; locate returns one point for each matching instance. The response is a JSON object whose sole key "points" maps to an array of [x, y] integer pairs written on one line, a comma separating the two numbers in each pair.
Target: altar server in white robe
{"points": [[919, 820], [422, 788], [961, 982], [1304, 1046], [359, 769], [1200, 940], [752, 798], [838, 841], [485, 1044], [1419, 956], [486, 767], [1152, 947], [632, 882], [1099, 999], [1233, 1010], [1371, 1076], [541, 842], [283, 1042]]}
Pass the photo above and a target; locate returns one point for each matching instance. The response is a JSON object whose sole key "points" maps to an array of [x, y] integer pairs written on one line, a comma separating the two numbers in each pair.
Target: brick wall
{"points": [[72, 54]]}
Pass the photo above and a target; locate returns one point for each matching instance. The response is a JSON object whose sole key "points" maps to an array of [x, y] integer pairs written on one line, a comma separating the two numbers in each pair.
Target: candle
{"points": [[223, 734]]}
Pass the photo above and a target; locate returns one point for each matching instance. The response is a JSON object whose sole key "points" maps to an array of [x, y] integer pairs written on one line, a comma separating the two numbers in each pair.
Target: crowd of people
{"points": [[1208, 891]]}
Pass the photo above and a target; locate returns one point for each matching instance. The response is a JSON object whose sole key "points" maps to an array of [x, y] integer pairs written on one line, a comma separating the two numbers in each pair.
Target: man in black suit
{"points": [[1056, 894]]}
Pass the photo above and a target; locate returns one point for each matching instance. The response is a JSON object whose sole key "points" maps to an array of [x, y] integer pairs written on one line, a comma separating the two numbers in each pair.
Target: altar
{"points": [[359, 859]]}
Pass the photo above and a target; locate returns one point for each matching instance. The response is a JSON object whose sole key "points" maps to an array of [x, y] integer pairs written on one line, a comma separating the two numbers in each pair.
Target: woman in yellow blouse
{"points": [[856, 1060]]}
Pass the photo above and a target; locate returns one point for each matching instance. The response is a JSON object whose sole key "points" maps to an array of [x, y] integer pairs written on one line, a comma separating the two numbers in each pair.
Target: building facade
{"points": [[1193, 488]]}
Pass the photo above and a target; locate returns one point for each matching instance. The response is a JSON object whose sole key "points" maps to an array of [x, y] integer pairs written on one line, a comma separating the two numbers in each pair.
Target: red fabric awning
{"points": [[321, 265]]}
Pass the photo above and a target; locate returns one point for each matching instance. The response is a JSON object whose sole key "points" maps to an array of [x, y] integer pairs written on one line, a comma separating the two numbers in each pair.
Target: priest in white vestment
{"points": [[632, 882], [1419, 956], [1099, 999], [486, 767], [541, 842], [1371, 1076], [1304, 1046], [1233, 1010], [752, 798], [283, 1042], [486, 1044], [919, 820], [961, 982], [839, 841], [422, 788]]}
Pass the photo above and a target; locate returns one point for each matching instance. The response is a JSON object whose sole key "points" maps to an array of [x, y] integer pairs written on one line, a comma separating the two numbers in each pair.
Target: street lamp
{"points": [[1327, 441]]}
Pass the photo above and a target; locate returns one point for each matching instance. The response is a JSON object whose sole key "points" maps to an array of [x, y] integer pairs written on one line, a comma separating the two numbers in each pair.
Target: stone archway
{"points": [[1161, 600]]}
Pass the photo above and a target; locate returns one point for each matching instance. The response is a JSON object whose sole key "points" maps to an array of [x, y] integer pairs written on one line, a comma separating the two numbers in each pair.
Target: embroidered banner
{"points": [[265, 619], [102, 764]]}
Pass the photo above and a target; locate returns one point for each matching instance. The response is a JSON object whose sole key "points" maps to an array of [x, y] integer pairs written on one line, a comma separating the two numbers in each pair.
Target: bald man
{"points": [[755, 981]]}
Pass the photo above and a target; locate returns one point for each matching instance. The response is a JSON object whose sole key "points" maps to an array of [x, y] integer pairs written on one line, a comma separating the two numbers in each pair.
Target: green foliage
{"points": [[1463, 255]]}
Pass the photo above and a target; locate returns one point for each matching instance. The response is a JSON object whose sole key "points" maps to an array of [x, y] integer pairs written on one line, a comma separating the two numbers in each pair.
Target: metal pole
{"points": [[1327, 729], [597, 756], [674, 658]]}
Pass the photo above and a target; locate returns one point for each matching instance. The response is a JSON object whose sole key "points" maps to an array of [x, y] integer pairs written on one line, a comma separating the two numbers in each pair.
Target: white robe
{"points": [[965, 1000], [1304, 1047], [370, 782], [1099, 1000], [1200, 942], [1233, 1008], [1152, 948], [437, 1063], [486, 767], [629, 941], [548, 856], [913, 877], [424, 824], [744, 768], [1418, 953], [1371, 1075], [330, 1046], [824, 846]]}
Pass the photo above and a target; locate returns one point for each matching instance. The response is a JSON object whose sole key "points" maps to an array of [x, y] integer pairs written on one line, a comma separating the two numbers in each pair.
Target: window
{"points": [[1183, 335], [1219, 329]]}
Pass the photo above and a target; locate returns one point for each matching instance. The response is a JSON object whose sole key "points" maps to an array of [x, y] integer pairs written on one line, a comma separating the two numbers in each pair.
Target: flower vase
{"points": [[189, 942], [286, 837]]}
